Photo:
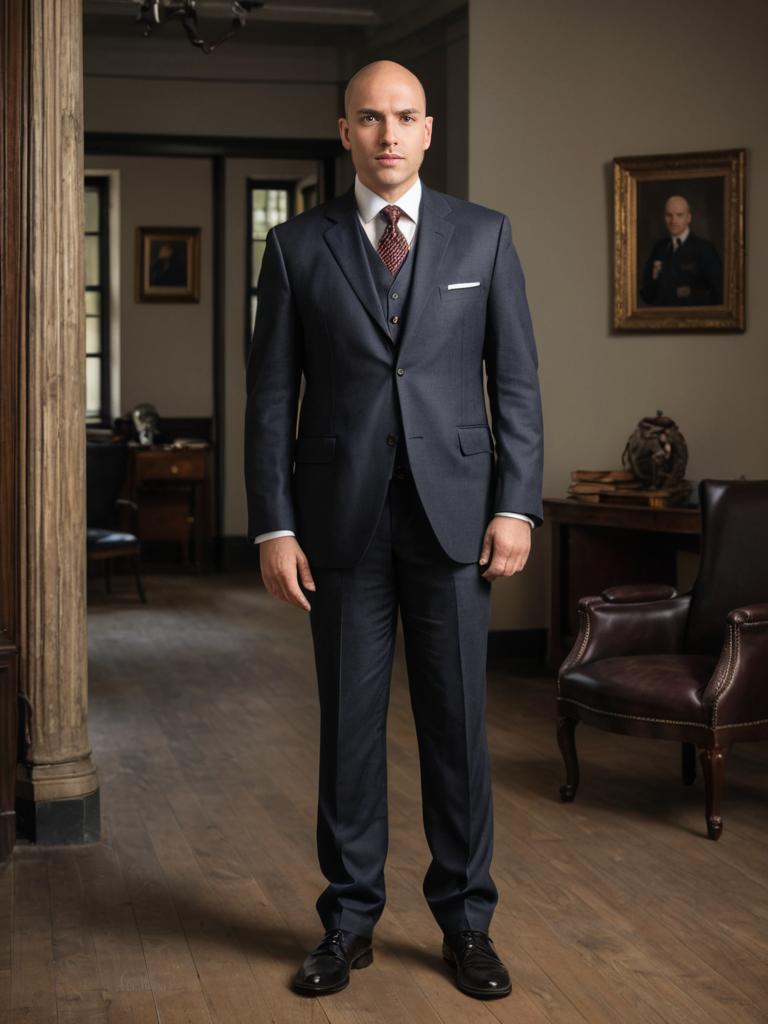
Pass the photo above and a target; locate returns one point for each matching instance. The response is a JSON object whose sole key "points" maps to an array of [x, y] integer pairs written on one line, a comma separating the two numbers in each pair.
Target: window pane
{"points": [[91, 210], [92, 260], [269, 207], [93, 334], [257, 255], [93, 386], [92, 303]]}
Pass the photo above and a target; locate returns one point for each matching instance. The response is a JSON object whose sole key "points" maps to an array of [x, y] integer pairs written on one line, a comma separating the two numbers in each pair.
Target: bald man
{"points": [[397, 496], [683, 269]]}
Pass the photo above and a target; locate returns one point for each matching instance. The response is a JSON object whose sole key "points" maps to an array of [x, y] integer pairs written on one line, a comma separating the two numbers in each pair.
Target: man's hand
{"points": [[283, 564], [506, 544]]}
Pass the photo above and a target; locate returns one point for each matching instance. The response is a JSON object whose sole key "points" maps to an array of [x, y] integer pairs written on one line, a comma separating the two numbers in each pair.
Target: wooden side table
{"points": [[173, 488], [599, 546]]}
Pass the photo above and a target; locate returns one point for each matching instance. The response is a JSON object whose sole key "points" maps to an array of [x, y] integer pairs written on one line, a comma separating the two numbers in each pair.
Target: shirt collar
{"points": [[370, 204]]}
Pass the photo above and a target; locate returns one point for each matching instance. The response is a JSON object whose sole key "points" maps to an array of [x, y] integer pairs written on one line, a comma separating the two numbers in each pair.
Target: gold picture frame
{"points": [[167, 264], [678, 257]]}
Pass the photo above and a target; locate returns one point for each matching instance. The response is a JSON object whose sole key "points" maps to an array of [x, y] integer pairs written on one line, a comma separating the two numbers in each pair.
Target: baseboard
{"points": [[517, 645]]}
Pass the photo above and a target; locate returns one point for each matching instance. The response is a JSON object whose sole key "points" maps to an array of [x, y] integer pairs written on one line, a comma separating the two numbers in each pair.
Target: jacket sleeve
{"points": [[513, 385], [273, 378]]}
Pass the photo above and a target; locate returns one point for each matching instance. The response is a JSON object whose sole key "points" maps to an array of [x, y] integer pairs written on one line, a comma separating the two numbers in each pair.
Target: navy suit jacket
{"points": [[319, 314], [696, 264]]}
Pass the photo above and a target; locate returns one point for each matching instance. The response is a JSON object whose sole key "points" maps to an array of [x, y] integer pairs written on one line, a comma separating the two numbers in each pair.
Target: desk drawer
{"points": [[170, 466]]}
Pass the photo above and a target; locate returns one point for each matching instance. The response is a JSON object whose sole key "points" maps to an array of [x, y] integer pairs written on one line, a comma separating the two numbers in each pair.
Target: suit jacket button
{"points": [[395, 319], [391, 440], [400, 371]]}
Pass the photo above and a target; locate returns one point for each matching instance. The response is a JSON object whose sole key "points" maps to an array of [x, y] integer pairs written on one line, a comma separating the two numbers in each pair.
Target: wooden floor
{"points": [[199, 903]]}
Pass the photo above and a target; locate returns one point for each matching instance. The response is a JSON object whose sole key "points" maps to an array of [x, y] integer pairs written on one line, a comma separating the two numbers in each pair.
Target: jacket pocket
{"points": [[475, 439], [461, 294], [315, 449]]}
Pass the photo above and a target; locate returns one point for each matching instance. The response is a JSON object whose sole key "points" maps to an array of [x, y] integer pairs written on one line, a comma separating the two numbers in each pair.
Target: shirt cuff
{"points": [[274, 533], [518, 515]]}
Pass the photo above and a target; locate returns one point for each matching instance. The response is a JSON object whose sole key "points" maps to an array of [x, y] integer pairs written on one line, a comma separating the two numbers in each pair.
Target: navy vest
{"points": [[393, 292]]}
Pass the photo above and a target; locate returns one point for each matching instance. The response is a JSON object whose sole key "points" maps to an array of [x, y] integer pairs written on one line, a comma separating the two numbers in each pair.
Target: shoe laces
{"points": [[476, 946], [331, 943]]}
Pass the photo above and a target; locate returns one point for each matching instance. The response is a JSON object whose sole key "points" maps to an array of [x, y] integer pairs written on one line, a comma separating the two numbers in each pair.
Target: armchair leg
{"points": [[566, 728], [139, 583], [713, 767], [689, 763]]}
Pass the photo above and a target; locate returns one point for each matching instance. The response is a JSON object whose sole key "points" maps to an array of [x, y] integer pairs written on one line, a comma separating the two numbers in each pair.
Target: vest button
{"points": [[395, 319], [400, 371], [391, 440], [395, 295]]}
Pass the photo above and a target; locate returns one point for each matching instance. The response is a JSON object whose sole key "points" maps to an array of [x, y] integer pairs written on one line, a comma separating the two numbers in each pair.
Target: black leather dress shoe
{"points": [[479, 971], [326, 969]]}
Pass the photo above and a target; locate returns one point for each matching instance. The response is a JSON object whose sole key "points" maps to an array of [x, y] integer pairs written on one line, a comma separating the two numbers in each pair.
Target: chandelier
{"points": [[185, 11]]}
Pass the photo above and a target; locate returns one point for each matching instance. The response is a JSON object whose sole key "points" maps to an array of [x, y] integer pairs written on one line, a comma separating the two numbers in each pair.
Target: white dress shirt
{"points": [[677, 240], [369, 206]]}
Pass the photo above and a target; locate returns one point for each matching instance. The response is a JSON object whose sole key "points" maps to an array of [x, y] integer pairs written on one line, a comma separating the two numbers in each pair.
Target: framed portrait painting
{"points": [[167, 265], [678, 255]]}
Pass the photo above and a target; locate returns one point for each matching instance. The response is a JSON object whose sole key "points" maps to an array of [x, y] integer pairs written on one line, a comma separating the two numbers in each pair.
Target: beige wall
{"points": [[150, 86], [557, 90], [238, 171], [166, 354]]}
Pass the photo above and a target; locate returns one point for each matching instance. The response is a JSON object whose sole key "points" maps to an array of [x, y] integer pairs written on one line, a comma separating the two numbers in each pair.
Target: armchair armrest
{"points": [[126, 501], [737, 693], [633, 593], [620, 625]]}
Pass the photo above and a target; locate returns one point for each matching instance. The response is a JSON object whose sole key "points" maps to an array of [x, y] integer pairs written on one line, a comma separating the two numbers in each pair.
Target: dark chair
{"points": [[691, 668], [105, 467]]}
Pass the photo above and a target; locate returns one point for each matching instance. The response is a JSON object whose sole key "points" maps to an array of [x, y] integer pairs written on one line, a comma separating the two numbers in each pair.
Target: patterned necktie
{"points": [[392, 246]]}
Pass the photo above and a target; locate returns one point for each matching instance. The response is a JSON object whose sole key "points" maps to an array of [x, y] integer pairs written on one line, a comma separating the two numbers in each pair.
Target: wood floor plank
{"points": [[33, 985], [198, 904], [110, 914]]}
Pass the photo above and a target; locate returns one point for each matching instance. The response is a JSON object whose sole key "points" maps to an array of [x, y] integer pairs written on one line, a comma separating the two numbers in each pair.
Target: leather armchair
{"points": [[692, 668]]}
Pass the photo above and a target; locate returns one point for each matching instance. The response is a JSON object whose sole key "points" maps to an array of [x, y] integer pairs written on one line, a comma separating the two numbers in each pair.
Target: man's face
{"points": [[386, 129], [677, 214]]}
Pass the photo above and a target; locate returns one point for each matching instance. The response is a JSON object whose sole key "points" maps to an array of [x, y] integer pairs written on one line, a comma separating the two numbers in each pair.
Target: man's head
{"points": [[385, 127], [677, 214]]}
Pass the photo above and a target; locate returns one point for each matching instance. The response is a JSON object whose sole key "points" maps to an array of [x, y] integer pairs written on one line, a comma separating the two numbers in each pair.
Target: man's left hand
{"points": [[506, 545]]}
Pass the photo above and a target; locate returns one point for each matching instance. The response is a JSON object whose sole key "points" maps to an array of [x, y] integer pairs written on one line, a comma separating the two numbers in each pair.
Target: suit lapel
{"points": [[433, 234], [345, 242]]}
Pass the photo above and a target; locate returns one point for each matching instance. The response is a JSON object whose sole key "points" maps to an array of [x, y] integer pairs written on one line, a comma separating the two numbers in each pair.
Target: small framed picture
{"points": [[167, 265], [678, 254]]}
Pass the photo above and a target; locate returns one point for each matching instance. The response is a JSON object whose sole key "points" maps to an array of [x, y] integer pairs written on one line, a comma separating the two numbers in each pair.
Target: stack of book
{"points": [[617, 486]]}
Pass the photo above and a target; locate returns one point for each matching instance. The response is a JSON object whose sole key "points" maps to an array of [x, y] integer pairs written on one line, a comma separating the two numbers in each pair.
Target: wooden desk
{"points": [[599, 546], [173, 489]]}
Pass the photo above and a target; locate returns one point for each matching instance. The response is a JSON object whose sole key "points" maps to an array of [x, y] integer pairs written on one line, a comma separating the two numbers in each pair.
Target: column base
{"points": [[59, 822]]}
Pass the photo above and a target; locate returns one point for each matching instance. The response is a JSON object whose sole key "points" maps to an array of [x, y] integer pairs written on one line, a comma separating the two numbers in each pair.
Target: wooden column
{"points": [[57, 786], [12, 307]]}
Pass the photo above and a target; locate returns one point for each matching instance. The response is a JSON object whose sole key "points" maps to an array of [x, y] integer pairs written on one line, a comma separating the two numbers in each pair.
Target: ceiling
{"points": [[294, 21]]}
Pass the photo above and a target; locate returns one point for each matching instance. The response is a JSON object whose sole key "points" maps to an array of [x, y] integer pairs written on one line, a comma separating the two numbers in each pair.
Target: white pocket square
{"points": [[464, 284]]}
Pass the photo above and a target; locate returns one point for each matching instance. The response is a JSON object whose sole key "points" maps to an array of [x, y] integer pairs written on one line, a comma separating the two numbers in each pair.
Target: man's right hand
{"points": [[283, 564]]}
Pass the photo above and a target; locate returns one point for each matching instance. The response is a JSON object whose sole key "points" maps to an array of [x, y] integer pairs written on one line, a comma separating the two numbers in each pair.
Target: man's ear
{"points": [[427, 132], [344, 133]]}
